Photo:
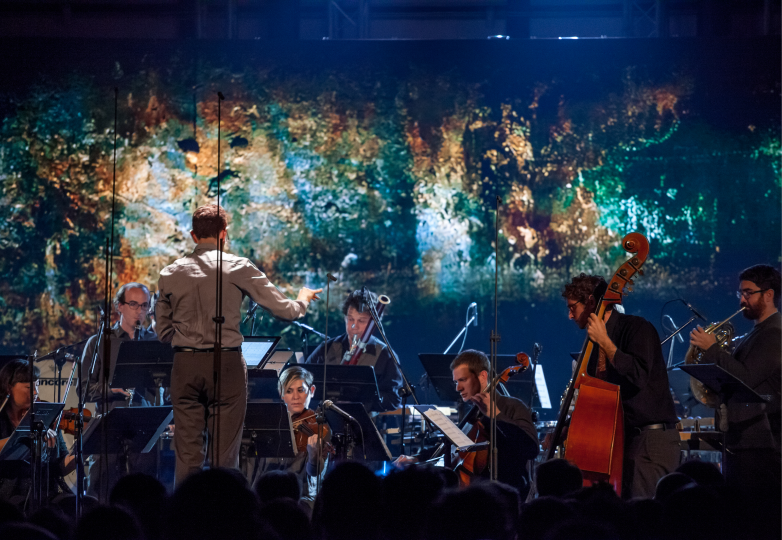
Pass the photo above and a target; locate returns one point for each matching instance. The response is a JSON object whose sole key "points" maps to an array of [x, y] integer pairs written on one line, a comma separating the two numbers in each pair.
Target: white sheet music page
{"points": [[449, 429]]}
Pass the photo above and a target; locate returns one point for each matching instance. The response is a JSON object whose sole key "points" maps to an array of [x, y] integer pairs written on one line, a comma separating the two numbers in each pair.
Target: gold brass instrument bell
{"points": [[723, 331]]}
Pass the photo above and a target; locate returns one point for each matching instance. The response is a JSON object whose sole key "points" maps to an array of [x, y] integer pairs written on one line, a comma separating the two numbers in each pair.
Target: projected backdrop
{"points": [[384, 165]]}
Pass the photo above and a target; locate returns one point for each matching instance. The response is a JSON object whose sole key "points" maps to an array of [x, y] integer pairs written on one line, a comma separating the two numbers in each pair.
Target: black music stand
{"points": [[18, 446], [262, 381], [270, 432], [347, 437], [438, 370], [723, 383], [345, 383], [128, 430], [142, 364]]}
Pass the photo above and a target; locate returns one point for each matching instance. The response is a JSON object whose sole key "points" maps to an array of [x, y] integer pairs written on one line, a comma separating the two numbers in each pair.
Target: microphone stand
{"points": [[494, 339], [674, 334], [463, 331], [218, 318], [321, 417], [104, 488], [36, 438], [407, 390]]}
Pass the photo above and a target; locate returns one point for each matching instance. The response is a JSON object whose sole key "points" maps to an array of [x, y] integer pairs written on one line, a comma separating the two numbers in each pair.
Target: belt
{"points": [[193, 349], [652, 427]]}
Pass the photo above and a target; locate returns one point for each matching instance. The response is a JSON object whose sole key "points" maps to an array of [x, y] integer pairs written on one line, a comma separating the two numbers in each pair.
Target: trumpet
{"points": [[723, 332]]}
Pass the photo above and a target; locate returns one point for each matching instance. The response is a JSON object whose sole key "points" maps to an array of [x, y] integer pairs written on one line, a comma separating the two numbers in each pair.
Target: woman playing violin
{"points": [[15, 475], [296, 389]]}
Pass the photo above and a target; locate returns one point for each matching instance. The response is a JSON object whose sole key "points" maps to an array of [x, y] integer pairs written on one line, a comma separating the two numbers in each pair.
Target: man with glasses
{"points": [[628, 354], [752, 439], [131, 302]]}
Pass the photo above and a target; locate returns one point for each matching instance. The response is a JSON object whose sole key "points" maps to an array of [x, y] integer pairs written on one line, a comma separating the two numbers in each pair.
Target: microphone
{"points": [[137, 331], [474, 307], [331, 277], [328, 404], [694, 311], [308, 329], [221, 96], [251, 311]]}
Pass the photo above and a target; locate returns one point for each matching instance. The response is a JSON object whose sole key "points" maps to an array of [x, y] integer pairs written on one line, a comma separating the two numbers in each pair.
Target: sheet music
{"points": [[449, 429]]}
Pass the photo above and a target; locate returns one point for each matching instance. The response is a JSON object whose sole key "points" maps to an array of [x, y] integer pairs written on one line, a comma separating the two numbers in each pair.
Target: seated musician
{"points": [[342, 350], [297, 388], [15, 482], [517, 440], [131, 302], [629, 355]]}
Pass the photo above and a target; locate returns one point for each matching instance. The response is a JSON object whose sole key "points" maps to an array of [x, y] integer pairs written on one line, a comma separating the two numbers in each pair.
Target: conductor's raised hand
{"points": [[307, 295]]}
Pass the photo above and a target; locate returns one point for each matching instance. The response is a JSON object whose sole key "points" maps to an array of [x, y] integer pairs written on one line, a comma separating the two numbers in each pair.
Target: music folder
{"points": [[257, 350], [269, 428], [142, 364], [451, 431], [723, 383], [128, 429], [345, 383]]}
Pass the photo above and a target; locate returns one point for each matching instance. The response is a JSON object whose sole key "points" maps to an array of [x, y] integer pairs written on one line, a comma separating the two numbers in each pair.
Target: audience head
{"points": [[25, 531], [348, 506], [669, 484], [53, 520], [287, 518], [144, 497], [557, 477], [703, 473], [477, 512], [277, 484], [214, 504], [103, 522], [539, 515], [406, 495]]}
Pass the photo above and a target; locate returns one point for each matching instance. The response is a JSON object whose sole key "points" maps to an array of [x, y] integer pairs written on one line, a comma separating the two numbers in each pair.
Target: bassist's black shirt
{"points": [[639, 370]]}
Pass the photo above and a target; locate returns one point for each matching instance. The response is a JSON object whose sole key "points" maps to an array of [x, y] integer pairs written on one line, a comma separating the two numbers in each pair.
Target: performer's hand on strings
{"points": [[307, 295], [483, 402]]}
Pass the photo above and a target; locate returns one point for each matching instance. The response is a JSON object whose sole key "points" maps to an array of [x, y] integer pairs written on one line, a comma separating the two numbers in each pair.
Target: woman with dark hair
{"points": [[15, 475], [296, 389]]}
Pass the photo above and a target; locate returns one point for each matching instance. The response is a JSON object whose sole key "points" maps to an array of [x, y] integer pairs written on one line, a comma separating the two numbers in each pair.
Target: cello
{"points": [[595, 440]]}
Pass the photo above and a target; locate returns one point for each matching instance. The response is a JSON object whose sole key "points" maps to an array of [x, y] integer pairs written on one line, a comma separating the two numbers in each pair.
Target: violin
{"points": [[69, 417], [305, 425], [470, 464]]}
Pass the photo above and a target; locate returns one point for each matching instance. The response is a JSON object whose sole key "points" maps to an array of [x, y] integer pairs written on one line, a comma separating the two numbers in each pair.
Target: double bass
{"points": [[595, 440]]}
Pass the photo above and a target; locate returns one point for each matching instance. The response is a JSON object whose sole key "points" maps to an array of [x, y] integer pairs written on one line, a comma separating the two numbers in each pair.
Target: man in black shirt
{"points": [[373, 353], [517, 440], [628, 354], [752, 460]]}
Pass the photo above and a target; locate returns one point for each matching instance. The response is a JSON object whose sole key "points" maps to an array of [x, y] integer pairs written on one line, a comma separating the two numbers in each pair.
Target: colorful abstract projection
{"points": [[390, 180]]}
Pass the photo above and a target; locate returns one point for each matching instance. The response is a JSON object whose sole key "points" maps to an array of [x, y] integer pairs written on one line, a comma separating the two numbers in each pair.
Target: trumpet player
{"points": [[752, 439], [343, 348]]}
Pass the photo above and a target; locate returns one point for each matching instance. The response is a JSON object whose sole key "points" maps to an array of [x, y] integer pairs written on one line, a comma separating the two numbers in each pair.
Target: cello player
{"points": [[629, 355], [517, 440]]}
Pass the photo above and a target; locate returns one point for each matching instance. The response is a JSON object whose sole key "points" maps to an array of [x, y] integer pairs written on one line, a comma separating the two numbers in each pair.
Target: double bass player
{"points": [[628, 354]]}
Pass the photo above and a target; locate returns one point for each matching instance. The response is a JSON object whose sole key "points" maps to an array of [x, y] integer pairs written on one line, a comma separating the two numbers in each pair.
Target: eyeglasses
{"points": [[572, 307], [136, 305], [746, 293]]}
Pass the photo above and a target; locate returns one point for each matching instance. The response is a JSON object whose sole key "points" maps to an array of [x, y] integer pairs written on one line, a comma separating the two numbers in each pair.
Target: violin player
{"points": [[629, 355], [296, 389], [517, 440], [15, 482], [373, 352]]}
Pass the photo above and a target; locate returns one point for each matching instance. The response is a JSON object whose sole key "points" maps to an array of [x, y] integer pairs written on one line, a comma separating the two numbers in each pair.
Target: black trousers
{"points": [[649, 455]]}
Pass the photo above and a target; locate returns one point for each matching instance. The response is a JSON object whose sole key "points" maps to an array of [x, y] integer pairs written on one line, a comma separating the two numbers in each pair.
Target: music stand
{"points": [[372, 445], [345, 383], [269, 427], [438, 370], [142, 364], [18, 446], [128, 429], [723, 383], [257, 350]]}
